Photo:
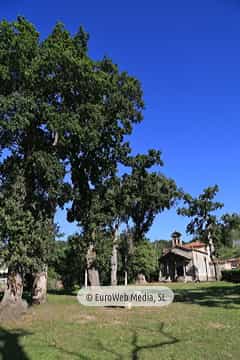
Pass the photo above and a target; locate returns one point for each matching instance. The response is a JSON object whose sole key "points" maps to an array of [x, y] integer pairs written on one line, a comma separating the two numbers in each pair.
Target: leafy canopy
{"points": [[147, 193], [202, 212], [63, 121]]}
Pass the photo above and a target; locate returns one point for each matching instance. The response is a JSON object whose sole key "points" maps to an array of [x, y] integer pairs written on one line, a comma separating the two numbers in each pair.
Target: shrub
{"points": [[231, 275]]}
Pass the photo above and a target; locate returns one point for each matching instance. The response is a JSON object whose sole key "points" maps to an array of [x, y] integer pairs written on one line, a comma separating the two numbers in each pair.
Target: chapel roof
{"points": [[194, 245]]}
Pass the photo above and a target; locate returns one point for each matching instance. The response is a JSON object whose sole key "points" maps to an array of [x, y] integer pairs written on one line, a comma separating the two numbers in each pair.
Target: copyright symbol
{"points": [[89, 297]]}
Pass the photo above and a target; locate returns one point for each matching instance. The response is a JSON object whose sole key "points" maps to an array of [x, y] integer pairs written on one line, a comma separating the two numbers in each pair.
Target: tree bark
{"points": [[126, 270], [39, 292], [114, 260], [212, 257], [93, 276], [86, 278], [13, 306], [125, 277], [160, 275], [14, 290], [92, 272]]}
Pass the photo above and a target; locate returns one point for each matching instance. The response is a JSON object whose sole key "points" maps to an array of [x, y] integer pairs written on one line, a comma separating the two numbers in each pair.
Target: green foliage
{"points": [[63, 113], [74, 262], [160, 245], [230, 225], [147, 193], [60, 111], [202, 211], [58, 257], [28, 115], [25, 243], [70, 259], [226, 252], [53, 277], [143, 260], [103, 261], [158, 248]]}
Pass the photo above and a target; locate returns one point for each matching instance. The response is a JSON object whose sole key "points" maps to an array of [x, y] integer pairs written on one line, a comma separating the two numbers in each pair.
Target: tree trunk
{"points": [[215, 268], [39, 291], [125, 277], [14, 290], [212, 256], [92, 272], [126, 270], [93, 276], [86, 278], [114, 266], [160, 275], [13, 306], [114, 260]]}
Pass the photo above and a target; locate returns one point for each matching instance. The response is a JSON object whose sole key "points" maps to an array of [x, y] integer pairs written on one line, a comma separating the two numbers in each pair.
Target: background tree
{"points": [[141, 257], [57, 264], [147, 193], [204, 223], [126, 251], [95, 142], [74, 262], [104, 247], [230, 236], [158, 249], [114, 211], [70, 259], [226, 252], [230, 228], [143, 261]]}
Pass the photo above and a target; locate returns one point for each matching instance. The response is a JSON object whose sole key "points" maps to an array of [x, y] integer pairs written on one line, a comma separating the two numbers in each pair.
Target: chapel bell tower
{"points": [[176, 239]]}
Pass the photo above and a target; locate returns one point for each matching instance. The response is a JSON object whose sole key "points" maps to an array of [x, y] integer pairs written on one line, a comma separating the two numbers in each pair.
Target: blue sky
{"points": [[186, 55]]}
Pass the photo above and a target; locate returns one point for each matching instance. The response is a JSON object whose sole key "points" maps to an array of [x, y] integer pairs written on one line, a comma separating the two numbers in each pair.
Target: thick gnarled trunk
{"points": [[12, 305], [39, 291], [14, 289]]}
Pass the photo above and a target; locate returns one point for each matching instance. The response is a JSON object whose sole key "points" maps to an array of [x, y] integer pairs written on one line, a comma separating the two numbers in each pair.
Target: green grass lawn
{"points": [[202, 323]]}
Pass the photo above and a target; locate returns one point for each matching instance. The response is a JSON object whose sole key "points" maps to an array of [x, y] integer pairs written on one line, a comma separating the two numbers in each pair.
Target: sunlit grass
{"points": [[203, 323]]}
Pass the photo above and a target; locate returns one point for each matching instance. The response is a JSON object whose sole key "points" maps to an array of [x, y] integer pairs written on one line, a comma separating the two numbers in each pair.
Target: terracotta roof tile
{"points": [[194, 245]]}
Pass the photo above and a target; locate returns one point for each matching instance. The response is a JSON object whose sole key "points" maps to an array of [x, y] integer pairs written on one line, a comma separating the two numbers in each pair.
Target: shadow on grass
{"points": [[10, 348], [170, 340], [137, 348], [212, 296], [73, 355]]}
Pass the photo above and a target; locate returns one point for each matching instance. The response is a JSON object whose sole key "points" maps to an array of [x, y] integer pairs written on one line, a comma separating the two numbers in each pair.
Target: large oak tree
{"points": [[60, 112]]}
